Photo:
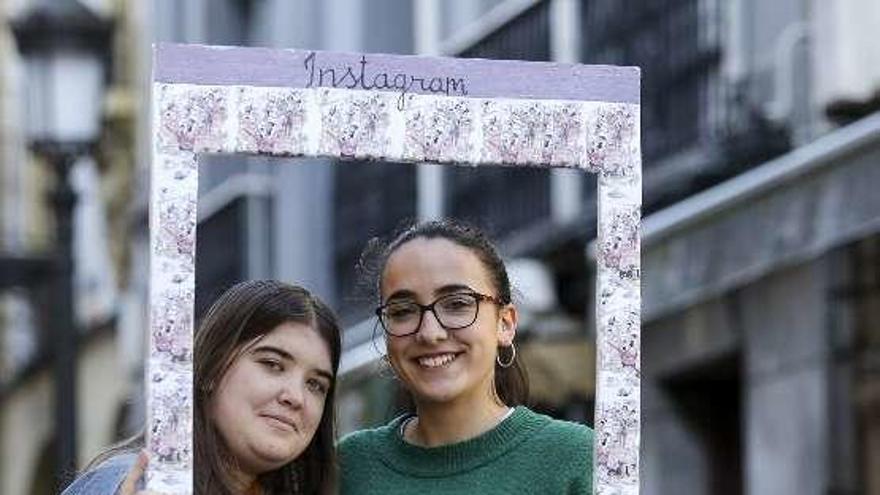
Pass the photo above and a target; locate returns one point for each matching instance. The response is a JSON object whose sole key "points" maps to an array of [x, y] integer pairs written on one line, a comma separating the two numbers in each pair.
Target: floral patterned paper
{"points": [[174, 187], [600, 137], [191, 118], [439, 129], [354, 124], [618, 312], [532, 133], [613, 139], [170, 431], [272, 120]]}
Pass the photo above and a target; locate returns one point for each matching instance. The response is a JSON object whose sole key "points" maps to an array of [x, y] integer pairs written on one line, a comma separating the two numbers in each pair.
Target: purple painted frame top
{"points": [[474, 78], [401, 108]]}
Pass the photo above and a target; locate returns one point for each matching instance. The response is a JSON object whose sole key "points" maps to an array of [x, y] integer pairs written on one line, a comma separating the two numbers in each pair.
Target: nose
{"points": [[430, 329], [292, 393]]}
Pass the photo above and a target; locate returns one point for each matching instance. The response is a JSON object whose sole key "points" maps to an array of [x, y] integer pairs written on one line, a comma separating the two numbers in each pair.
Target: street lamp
{"points": [[65, 48]]}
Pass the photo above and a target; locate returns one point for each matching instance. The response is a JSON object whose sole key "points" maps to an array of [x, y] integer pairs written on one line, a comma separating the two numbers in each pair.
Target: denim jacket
{"points": [[105, 478]]}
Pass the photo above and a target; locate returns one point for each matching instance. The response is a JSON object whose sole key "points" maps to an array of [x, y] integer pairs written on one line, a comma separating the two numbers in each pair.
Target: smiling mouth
{"points": [[280, 423], [437, 360]]}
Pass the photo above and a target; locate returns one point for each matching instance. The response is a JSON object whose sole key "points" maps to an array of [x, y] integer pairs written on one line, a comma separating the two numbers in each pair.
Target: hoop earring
{"points": [[510, 361]]}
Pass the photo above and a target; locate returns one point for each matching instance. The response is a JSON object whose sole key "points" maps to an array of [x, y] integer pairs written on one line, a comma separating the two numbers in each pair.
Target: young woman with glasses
{"points": [[266, 357], [445, 306]]}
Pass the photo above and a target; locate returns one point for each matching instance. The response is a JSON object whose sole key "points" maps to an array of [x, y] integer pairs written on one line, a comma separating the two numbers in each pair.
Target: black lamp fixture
{"points": [[66, 52]]}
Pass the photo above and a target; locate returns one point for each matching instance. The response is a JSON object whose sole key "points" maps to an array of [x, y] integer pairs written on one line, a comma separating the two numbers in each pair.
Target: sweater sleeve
{"points": [[104, 479], [582, 479]]}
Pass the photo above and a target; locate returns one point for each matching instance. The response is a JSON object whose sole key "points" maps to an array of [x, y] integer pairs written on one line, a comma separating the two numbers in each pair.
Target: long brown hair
{"points": [[245, 312], [511, 383], [248, 311]]}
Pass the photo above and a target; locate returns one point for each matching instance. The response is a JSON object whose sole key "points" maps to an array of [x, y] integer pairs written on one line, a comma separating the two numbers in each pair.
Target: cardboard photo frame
{"points": [[299, 103]]}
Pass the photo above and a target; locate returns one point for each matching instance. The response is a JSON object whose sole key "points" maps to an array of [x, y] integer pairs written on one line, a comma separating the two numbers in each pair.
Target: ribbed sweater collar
{"points": [[446, 460]]}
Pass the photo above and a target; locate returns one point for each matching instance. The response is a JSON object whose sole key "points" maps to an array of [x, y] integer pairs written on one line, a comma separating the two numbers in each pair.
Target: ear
{"points": [[507, 321]]}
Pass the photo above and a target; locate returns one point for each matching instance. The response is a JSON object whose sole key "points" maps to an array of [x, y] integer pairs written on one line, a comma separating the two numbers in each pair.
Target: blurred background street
{"points": [[761, 232]]}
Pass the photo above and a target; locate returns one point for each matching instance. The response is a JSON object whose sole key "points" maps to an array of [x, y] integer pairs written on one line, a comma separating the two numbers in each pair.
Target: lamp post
{"points": [[65, 48]]}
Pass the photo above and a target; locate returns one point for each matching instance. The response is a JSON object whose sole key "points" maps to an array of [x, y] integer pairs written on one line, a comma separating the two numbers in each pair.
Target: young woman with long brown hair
{"points": [[266, 357]]}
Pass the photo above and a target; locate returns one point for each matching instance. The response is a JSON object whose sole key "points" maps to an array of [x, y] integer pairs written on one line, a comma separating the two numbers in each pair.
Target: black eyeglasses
{"points": [[453, 312]]}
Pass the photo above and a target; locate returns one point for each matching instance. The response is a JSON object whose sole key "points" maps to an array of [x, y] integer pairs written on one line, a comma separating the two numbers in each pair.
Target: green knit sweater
{"points": [[527, 453]]}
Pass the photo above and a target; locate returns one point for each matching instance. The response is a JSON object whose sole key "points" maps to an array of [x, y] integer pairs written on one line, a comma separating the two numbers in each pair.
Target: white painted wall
{"points": [[847, 56]]}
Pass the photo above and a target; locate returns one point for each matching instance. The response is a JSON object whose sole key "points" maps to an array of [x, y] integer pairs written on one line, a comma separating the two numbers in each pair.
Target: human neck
{"points": [[446, 423], [244, 483]]}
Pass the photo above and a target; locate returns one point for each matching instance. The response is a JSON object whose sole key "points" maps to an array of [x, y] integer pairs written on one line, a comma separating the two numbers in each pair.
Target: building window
{"points": [[224, 264], [371, 199], [503, 200], [230, 22], [676, 45], [500, 200], [867, 357], [526, 37]]}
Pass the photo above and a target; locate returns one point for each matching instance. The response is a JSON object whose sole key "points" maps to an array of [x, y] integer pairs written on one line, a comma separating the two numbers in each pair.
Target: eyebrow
{"points": [[270, 349], [441, 291], [453, 289]]}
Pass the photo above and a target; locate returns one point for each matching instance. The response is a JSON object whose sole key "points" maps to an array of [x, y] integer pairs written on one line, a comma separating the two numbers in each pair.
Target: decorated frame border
{"points": [[395, 108]]}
